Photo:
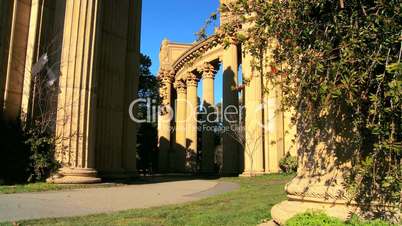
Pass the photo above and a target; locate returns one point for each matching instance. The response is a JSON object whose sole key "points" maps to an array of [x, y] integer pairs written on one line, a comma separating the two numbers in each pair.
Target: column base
{"points": [[253, 173], [284, 211], [75, 176]]}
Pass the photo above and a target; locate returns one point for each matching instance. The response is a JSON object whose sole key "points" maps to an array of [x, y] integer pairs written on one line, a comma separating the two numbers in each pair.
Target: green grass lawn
{"points": [[249, 205], [41, 187]]}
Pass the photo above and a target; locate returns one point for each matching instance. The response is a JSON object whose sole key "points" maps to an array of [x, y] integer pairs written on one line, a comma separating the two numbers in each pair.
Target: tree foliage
{"points": [[343, 77], [148, 88]]}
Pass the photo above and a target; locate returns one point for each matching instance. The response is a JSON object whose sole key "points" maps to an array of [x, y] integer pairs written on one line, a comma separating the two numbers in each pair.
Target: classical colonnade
{"points": [[268, 133]]}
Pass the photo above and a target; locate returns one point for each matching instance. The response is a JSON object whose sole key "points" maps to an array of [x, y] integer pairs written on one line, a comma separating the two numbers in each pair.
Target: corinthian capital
{"points": [[208, 71], [192, 79], [180, 86], [166, 76]]}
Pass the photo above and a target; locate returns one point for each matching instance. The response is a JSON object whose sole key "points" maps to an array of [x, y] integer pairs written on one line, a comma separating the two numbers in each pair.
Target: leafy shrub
{"points": [[318, 218], [41, 156], [288, 164]]}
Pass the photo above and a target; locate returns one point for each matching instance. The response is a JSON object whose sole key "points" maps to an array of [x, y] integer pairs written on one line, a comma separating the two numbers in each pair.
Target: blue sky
{"points": [[178, 21]]}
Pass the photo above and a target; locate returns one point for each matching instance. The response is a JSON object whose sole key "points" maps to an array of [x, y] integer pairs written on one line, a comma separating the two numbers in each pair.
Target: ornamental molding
{"points": [[198, 49]]}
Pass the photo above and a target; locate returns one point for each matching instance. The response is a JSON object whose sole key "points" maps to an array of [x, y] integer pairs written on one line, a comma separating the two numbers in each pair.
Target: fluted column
{"points": [[75, 120], [16, 58], [208, 145], [191, 125], [5, 30], [231, 150], [164, 119], [254, 138], [274, 125], [181, 107]]}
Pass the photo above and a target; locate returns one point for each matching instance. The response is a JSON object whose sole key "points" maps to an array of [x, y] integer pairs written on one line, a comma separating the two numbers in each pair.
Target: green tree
{"points": [[148, 86], [344, 78]]}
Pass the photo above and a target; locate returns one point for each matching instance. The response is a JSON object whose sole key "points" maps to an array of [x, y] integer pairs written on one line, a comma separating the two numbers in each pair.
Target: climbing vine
{"points": [[344, 78]]}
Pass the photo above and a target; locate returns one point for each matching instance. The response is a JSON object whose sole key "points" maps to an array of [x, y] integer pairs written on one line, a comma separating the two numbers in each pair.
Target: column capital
{"points": [[166, 76], [192, 79], [180, 86], [208, 71]]}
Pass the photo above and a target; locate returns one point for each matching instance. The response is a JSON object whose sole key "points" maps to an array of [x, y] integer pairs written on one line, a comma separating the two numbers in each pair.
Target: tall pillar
{"points": [[208, 145], [164, 120], [181, 108], [75, 120], [274, 128], [254, 137], [115, 81], [130, 77], [274, 115], [231, 110], [6, 9], [16, 58], [191, 124]]}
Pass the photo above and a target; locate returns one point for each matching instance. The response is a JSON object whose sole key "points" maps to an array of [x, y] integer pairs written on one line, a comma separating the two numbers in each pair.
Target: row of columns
{"points": [[183, 152], [267, 133]]}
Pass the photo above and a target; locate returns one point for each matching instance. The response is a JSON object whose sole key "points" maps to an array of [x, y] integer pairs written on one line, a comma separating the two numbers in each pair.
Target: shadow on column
{"points": [[231, 150]]}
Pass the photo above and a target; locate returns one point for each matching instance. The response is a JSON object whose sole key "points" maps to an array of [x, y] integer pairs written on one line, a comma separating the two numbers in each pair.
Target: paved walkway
{"points": [[81, 202]]}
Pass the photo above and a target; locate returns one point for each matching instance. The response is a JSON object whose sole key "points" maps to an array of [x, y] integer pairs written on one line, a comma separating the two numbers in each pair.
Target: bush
{"points": [[318, 218], [288, 164], [41, 155]]}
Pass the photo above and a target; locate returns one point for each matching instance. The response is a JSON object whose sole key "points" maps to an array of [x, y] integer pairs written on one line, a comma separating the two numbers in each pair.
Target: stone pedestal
{"points": [[75, 176], [288, 209], [319, 184]]}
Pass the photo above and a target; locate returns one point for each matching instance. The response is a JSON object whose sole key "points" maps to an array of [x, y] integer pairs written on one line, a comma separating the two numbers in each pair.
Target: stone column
{"points": [[230, 109], [274, 145], [208, 145], [77, 101], [191, 122], [164, 120], [181, 108], [6, 9], [16, 58], [274, 124], [254, 137]]}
